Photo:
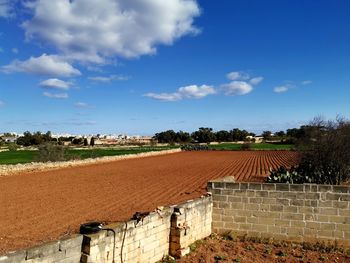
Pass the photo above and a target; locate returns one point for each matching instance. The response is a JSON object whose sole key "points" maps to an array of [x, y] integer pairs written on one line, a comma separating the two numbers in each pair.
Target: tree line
{"points": [[202, 135], [207, 135]]}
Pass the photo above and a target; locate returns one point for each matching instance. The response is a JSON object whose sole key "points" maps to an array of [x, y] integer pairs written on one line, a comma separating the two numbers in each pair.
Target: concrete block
{"points": [[43, 250], [69, 242], [269, 187], [14, 257]]}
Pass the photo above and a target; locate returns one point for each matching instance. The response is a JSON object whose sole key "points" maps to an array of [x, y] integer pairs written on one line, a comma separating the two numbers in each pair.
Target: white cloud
{"points": [[281, 89], [50, 65], [256, 80], [15, 50], [97, 30], [187, 92], [56, 84], [237, 75], [108, 78], [6, 8], [164, 96], [237, 88], [306, 82], [82, 105], [196, 92], [56, 95]]}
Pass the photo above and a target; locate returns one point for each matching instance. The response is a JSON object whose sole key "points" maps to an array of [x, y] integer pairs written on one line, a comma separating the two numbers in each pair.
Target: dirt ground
{"points": [[42, 206], [218, 250]]}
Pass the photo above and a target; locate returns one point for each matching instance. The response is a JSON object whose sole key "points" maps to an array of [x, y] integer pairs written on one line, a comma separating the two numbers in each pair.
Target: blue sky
{"points": [[143, 66]]}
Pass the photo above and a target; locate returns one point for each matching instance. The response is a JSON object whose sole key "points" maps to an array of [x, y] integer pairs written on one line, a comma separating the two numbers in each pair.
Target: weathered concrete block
{"points": [[14, 257], [43, 250]]}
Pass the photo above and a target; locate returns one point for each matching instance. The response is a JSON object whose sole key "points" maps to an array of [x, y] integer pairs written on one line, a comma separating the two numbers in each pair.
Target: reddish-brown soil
{"points": [[218, 250], [42, 206]]}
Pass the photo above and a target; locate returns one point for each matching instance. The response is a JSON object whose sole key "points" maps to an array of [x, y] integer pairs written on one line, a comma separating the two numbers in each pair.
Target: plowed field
{"points": [[42, 206]]}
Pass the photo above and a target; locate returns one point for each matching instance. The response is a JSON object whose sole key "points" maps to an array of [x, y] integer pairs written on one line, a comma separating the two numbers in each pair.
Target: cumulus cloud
{"points": [[56, 84], [82, 105], [187, 92], [237, 88], [108, 78], [56, 95], [281, 89], [96, 30], [49, 65], [241, 84], [6, 8]]}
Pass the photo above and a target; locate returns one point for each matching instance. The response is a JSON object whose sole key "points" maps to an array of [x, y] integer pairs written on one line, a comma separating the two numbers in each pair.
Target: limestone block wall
{"points": [[66, 250], [143, 241], [190, 222], [306, 212]]}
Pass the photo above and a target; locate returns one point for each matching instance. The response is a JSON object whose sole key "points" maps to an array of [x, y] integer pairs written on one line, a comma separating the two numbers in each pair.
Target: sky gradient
{"points": [[144, 66]]}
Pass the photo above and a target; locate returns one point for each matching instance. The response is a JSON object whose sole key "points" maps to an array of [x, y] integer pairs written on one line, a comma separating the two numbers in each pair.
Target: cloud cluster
{"points": [[241, 84], [56, 84], [188, 92], [96, 30], [48, 65], [290, 85]]}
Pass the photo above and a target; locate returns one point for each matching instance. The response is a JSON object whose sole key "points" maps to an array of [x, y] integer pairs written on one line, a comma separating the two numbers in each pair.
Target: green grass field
{"points": [[254, 146], [25, 156]]}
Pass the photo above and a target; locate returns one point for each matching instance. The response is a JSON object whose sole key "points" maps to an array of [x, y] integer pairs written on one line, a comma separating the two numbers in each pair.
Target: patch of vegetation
{"points": [[49, 152], [325, 155], [27, 156], [252, 146]]}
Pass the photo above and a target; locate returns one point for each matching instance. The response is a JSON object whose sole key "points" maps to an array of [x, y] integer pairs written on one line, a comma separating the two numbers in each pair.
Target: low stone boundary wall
{"points": [[300, 213], [147, 238], [62, 251]]}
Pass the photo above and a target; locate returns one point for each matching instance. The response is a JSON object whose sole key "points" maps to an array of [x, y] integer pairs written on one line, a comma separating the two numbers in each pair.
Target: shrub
{"points": [[49, 152], [194, 147], [12, 147], [246, 146]]}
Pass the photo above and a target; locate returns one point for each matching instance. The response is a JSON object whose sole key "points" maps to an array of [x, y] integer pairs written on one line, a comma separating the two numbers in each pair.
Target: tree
{"points": [[223, 136], [92, 142], [204, 135], [85, 142], [183, 137], [266, 135], [168, 136]]}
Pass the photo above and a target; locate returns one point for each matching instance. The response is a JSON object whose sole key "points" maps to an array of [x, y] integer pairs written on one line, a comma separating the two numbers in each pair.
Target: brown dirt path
{"points": [[43, 206]]}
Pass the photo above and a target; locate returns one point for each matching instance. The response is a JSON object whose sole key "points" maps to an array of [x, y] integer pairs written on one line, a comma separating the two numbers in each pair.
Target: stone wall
{"points": [[281, 211], [166, 231], [190, 222], [66, 250]]}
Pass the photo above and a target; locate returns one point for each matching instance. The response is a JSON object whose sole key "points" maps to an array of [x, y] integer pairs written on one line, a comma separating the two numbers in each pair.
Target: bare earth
{"points": [[219, 250], [41, 206]]}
